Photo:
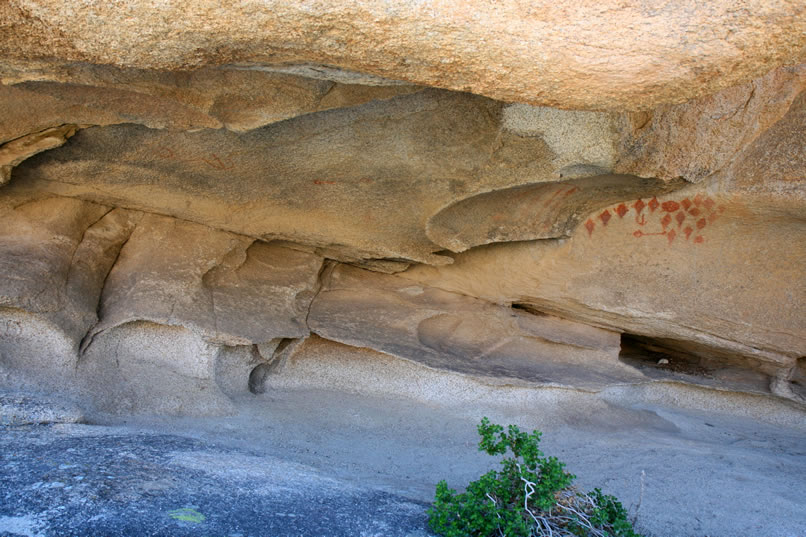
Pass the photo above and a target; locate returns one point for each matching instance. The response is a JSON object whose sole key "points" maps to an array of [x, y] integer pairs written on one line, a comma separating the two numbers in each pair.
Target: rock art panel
{"points": [[694, 266], [426, 161], [189, 203], [448, 330], [541, 211], [684, 218]]}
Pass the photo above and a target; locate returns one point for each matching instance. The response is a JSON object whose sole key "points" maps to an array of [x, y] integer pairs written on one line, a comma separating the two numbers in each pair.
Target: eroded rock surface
{"points": [[458, 332], [702, 137], [55, 254], [771, 169], [143, 367], [402, 179], [543, 211], [599, 55], [213, 98], [15, 151], [183, 207], [657, 267], [227, 287]]}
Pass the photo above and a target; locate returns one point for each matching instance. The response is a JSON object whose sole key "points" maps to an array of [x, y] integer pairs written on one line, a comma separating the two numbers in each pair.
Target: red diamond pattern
{"points": [[680, 217], [694, 211], [621, 210], [701, 223], [639, 206], [686, 203], [605, 216], [666, 221], [671, 235], [698, 239], [654, 204], [688, 231], [589, 225], [709, 203], [698, 200]]}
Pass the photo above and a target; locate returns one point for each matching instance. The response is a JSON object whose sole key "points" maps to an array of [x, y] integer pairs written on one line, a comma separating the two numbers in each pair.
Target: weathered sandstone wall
{"points": [[590, 197]]}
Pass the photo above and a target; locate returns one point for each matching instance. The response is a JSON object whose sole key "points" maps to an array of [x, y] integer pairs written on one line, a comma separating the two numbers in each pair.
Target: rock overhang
{"points": [[241, 196]]}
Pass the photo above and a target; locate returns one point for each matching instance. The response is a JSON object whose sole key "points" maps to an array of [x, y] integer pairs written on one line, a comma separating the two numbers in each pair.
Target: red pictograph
{"points": [[590, 225], [702, 209], [671, 235]]}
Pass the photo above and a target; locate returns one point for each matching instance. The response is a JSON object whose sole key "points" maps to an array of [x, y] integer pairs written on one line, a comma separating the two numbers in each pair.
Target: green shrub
{"points": [[530, 496]]}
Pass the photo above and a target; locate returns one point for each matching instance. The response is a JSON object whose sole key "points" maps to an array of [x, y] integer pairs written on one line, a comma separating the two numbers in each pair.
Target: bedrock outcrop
{"points": [[182, 208], [595, 55]]}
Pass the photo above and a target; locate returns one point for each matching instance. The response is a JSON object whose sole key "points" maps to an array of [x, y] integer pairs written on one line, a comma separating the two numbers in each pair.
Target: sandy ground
{"points": [[704, 474], [324, 434]]}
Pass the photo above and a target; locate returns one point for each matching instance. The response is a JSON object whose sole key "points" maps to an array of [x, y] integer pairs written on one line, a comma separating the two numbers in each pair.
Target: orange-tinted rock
{"points": [[702, 137], [595, 55]]}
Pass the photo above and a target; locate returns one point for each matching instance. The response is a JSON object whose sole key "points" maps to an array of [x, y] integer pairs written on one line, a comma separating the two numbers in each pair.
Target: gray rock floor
{"points": [[317, 462], [60, 480]]}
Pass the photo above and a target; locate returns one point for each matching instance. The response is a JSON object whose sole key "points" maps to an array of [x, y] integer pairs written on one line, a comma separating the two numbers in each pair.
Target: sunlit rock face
{"points": [[603, 55], [182, 207]]}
